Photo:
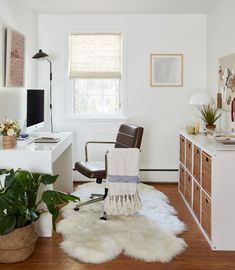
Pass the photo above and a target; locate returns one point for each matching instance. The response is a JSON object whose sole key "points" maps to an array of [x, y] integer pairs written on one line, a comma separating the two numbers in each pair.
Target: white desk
{"points": [[51, 158]]}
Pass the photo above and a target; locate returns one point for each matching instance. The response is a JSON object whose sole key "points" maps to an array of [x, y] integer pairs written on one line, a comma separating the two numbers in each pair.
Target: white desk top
{"points": [[52, 149]]}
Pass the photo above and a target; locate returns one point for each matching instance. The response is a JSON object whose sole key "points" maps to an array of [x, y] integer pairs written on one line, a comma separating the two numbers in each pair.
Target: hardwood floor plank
{"points": [[198, 255]]}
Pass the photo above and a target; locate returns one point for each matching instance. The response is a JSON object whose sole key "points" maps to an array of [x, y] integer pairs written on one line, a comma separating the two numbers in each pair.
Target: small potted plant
{"points": [[10, 130], [20, 207], [209, 114]]}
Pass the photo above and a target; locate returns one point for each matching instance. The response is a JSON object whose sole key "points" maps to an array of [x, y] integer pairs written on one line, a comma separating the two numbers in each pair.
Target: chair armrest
{"points": [[94, 142]]}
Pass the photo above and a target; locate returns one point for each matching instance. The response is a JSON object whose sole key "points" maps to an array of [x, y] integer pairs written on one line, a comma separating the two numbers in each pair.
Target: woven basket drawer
{"points": [[182, 180], [188, 188], [182, 149], [206, 172], [206, 214], [196, 199], [189, 155], [197, 163]]}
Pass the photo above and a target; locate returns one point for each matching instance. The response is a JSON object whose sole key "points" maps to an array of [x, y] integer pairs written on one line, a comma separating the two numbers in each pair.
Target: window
{"points": [[95, 71]]}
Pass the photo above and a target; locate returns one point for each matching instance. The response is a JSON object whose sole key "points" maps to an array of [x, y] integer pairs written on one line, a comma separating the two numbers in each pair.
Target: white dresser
{"points": [[207, 185]]}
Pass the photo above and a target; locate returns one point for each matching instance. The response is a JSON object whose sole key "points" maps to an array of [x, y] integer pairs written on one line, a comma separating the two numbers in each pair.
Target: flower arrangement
{"points": [[9, 128]]}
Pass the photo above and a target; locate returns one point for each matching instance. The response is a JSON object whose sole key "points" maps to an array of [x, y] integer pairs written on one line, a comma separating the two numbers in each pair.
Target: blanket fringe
{"points": [[122, 199]]}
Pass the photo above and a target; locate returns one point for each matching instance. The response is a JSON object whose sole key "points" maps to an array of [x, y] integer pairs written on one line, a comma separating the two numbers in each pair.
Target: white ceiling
{"points": [[121, 6]]}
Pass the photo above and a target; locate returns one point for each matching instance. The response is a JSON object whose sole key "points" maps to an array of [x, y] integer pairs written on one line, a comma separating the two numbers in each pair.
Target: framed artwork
{"points": [[166, 70], [15, 58]]}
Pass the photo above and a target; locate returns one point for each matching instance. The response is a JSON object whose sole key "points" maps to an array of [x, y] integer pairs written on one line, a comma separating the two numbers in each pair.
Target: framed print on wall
{"points": [[166, 70], [15, 58]]}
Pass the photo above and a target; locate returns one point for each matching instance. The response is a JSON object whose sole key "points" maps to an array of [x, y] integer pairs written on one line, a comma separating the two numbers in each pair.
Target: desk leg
{"points": [[64, 168]]}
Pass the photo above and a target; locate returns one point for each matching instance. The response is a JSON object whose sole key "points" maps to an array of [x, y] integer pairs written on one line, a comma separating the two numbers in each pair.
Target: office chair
{"points": [[129, 136]]}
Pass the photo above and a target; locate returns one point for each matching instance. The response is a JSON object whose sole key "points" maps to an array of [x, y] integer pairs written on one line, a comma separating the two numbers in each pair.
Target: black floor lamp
{"points": [[40, 56]]}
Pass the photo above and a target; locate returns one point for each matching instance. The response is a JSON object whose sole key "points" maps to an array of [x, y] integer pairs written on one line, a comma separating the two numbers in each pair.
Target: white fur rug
{"points": [[149, 235]]}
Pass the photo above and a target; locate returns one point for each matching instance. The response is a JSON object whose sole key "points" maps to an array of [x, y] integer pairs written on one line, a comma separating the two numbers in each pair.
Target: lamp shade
{"points": [[40, 55], [201, 97]]}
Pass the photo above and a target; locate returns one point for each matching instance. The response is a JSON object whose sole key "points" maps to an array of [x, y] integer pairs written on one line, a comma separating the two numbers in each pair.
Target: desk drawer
{"points": [[206, 172]]}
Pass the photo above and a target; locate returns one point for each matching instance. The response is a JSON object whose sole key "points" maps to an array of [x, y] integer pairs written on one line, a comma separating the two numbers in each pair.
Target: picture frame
{"points": [[166, 70], [15, 59]]}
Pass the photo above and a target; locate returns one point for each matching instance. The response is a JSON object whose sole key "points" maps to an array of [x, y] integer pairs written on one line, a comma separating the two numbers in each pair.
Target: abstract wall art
{"points": [[166, 70], [15, 59]]}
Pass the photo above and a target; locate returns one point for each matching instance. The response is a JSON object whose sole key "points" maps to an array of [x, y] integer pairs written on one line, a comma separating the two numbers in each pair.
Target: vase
{"points": [[211, 126], [8, 141], [18, 245]]}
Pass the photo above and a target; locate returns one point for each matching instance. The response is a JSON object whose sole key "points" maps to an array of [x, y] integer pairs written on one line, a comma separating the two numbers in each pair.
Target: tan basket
{"points": [[18, 245], [8, 141]]}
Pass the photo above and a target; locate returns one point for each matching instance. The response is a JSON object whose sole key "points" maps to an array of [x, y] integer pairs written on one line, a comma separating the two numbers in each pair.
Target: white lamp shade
{"points": [[201, 97]]}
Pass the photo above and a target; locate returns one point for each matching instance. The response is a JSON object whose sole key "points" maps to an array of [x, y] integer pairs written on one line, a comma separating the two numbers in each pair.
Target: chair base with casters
{"points": [[101, 197]]}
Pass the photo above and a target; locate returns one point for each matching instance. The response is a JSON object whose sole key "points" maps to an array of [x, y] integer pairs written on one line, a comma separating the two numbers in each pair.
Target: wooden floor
{"points": [[48, 255]]}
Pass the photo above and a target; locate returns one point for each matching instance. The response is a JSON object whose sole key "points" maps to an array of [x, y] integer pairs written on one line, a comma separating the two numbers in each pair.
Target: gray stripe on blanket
{"points": [[123, 179]]}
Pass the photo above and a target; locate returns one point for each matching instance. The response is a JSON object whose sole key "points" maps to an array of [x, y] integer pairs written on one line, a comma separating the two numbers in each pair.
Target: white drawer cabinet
{"points": [[207, 185]]}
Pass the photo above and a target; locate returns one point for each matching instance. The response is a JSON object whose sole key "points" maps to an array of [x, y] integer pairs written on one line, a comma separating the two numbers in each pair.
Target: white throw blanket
{"points": [[122, 181]]}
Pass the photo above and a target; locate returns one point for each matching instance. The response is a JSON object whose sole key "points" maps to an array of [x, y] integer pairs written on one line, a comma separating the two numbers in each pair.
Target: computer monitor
{"points": [[35, 109]]}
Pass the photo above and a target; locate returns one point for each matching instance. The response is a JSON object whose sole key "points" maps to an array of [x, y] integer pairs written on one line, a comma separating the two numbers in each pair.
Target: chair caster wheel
{"points": [[76, 209], [104, 217]]}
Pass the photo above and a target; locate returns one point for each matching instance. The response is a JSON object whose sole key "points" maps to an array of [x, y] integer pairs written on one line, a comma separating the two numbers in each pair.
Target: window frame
{"points": [[69, 87]]}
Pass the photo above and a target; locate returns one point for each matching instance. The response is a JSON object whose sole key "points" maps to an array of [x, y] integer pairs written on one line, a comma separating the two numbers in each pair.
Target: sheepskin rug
{"points": [[150, 235]]}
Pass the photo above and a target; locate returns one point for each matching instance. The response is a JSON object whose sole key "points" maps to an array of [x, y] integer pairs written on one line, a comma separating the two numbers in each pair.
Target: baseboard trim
{"points": [[153, 176], [159, 170]]}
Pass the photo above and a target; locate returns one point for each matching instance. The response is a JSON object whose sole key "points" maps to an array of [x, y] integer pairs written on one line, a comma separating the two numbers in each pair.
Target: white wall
{"points": [[161, 111], [221, 42], [18, 16]]}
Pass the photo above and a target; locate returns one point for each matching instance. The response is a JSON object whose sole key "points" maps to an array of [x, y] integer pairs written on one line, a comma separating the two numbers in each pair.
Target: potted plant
{"points": [[10, 130], [209, 114], [20, 207]]}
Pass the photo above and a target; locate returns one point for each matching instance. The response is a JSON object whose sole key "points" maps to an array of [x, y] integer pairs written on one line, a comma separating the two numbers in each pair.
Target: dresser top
{"points": [[207, 143]]}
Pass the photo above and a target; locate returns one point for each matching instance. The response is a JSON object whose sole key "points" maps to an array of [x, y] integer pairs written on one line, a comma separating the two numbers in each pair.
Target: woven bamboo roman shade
{"points": [[95, 56]]}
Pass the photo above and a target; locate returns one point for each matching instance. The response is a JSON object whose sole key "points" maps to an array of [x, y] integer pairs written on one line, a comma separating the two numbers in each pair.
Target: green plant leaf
{"points": [[53, 198], [47, 179], [4, 171], [7, 224], [9, 179], [57, 197]]}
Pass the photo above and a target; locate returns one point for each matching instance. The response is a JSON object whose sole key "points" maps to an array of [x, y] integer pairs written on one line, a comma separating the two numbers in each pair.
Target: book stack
{"points": [[24, 140], [46, 140]]}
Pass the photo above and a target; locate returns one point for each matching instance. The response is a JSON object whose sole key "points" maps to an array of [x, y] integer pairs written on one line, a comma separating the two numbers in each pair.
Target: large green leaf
{"points": [[9, 179], [53, 198], [4, 171], [48, 179], [57, 197], [7, 224]]}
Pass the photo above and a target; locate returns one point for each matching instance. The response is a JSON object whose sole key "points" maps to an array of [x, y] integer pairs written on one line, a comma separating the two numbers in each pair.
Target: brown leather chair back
{"points": [[129, 136]]}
